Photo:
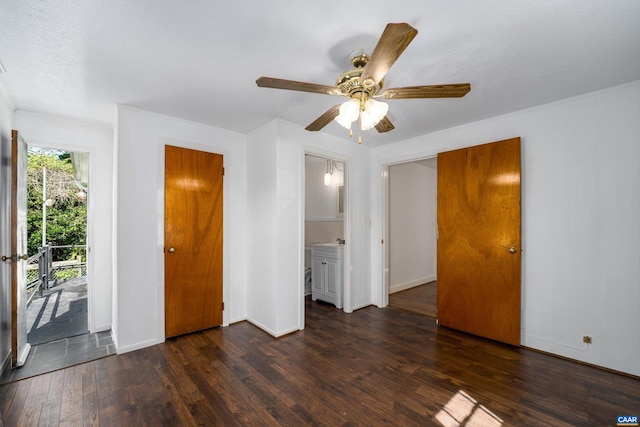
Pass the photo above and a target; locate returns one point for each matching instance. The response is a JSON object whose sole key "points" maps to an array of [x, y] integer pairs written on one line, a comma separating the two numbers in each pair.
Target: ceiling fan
{"points": [[364, 83]]}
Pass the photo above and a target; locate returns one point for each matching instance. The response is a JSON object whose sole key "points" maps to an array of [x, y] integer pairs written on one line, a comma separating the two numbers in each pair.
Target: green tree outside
{"points": [[67, 215]]}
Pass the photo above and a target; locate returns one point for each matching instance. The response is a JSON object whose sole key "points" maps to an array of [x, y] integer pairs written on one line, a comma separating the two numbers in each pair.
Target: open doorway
{"points": [[57, 283], [324, 231], [411, 236], [57, 192]]}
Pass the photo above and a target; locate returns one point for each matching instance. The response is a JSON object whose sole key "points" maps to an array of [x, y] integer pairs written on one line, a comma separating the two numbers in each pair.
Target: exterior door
{"points": [[19, 346], [479, 240], [193, 240]]}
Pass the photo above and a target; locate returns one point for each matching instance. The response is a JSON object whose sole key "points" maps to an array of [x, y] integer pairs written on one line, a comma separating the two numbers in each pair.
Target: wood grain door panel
{"points": [[479, 250], [193, 240]]}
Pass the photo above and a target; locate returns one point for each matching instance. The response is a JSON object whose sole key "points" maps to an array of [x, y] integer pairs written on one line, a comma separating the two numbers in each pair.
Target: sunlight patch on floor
{"points": [[48, 314], [464, 410]]}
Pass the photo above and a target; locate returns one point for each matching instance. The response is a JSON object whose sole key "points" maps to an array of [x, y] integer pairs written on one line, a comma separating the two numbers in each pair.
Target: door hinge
{"points": [[223, 171], [222, 305]]}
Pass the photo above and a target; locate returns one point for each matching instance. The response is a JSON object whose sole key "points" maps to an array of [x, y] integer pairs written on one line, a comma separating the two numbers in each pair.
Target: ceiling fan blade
{"points": [[324, 119], [300, 86], [394, 40], [432, 91], [385, 125]]}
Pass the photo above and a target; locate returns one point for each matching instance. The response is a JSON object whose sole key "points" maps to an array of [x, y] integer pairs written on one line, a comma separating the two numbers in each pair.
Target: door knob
{"points": [[512, 250], [15, 258], [171, 250]]}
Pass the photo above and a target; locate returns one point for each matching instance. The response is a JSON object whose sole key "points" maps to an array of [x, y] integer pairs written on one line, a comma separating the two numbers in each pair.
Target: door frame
{"points": [[384, 221], [91, 298], [380, 285], [347, 305], [226, 231]]}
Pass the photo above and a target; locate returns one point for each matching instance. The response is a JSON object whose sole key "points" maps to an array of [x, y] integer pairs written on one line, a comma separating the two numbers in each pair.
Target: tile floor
{"points": [[58, 332], [62, 353]]}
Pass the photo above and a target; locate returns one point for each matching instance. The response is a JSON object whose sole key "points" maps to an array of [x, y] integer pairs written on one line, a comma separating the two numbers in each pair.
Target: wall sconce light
{"points": [[328, 173]]}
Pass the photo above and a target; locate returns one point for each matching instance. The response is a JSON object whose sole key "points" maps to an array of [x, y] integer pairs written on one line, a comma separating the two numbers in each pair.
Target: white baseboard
{"points": [[360, 306], [271, 331], [100, 328], [136, 346], [23, 354], [6, 362], [412, 284], [236, 320]]}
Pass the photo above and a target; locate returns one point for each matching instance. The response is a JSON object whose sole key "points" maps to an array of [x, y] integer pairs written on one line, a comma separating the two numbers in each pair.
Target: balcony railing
{"points": [[45, 270]]}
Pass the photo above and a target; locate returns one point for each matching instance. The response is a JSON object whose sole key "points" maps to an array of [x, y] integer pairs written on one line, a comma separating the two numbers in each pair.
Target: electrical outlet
{"points": [[586, 339]]}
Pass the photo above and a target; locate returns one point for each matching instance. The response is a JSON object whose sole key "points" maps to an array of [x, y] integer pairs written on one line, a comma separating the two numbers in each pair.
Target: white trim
{"points": [[382, 285], [6, 362], [101, 328], [412, 284], [271, 331], [358, 307], [136, 346], [346, 219], [162, 142], [23, 355], [91, 223]]}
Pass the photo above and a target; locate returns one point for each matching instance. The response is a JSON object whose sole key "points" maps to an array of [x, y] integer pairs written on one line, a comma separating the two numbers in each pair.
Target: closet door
{"points": [[193, 240]]}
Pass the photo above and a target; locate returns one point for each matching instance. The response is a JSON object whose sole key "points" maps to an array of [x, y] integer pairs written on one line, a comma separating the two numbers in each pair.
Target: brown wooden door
{"points": [[193, 240], [19, 346], [479, 240]]}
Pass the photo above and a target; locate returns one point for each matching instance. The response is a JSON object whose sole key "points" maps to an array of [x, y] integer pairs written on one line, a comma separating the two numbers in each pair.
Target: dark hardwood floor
{"points": [[419, 299], [372, 367]]}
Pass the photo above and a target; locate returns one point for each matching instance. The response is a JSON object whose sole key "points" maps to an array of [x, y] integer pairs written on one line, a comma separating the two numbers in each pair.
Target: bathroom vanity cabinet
{"points": [[327, 273]]}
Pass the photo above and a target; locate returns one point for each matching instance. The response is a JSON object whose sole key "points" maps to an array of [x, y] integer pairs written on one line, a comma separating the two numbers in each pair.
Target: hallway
{"points": [[421, 299]]}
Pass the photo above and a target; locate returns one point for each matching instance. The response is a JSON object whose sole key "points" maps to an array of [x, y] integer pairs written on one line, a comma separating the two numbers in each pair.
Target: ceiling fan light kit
{"points": [[370, 113], [349, 112], [363, 83], [373, 112]]}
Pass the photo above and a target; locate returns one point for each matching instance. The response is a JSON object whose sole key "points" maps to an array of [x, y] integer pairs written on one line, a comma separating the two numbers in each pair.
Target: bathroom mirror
{"points": [[340, 203]]}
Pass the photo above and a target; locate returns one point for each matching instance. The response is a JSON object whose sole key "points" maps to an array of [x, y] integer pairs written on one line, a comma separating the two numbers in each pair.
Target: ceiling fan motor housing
{"points": [[350, 85]]}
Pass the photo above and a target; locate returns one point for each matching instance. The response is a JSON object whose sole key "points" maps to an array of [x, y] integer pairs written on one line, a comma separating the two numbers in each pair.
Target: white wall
{"points": [[322, 232], [262, 239], [276, 211], [412, 220], [581, 233], [139, 220], [6, 125], [40, 130]]}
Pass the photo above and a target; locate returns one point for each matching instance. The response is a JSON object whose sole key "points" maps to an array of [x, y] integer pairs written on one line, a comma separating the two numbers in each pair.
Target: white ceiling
{"points": [[199, 59]]}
